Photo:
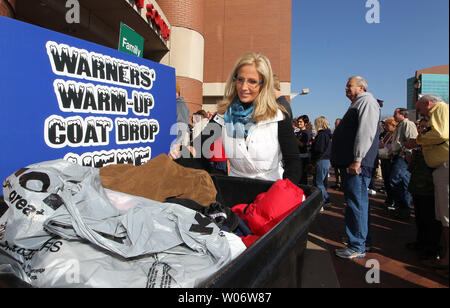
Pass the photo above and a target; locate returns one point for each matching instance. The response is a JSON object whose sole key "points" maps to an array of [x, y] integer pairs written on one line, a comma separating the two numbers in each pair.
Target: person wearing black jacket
{"points": [[304, 143], [320, 156]]}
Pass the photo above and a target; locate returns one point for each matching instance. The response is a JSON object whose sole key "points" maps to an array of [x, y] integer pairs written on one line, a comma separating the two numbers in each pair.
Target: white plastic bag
{"points": [[67, 233]]}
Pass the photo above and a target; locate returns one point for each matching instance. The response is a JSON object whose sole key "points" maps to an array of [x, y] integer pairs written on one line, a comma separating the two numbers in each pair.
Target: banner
{"points": [[62, 97]]}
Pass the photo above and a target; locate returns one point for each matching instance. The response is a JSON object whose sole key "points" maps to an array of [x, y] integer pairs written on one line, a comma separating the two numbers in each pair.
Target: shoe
{"points": [[344, 240], [372, 192], [428, 255], [347, 253], [389, 205], [391, 208], [327, 205]]}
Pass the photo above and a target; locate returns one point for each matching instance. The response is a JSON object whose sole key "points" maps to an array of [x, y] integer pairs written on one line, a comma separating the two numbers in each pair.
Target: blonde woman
{"points": [[320, 156], [257, 135]]}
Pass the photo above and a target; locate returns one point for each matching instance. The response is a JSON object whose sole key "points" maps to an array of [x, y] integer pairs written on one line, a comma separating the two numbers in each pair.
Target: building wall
{"points": [[186, 53], [184, 13], [233, 27], [191, 91]]}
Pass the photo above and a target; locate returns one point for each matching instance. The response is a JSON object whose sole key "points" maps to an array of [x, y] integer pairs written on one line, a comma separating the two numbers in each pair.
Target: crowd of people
{"points": [[254, 135]]}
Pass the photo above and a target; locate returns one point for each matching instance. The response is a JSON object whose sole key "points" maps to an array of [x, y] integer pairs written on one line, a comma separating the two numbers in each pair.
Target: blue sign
{"points": [[62, 97]]}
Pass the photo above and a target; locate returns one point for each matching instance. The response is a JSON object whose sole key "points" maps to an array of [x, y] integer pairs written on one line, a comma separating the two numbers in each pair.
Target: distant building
{"points": [[432, 80]]}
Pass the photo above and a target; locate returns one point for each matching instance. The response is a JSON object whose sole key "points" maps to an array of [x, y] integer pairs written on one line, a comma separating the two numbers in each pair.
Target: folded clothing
{"points": [[269, 208], [160, 179], [221, 215]]}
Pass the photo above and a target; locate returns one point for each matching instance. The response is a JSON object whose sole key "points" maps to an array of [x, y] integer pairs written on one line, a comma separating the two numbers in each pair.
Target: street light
{"points": [[304, 92]]}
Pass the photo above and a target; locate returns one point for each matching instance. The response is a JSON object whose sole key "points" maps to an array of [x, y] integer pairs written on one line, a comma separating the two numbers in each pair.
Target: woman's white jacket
{"points": [[259, 155]]}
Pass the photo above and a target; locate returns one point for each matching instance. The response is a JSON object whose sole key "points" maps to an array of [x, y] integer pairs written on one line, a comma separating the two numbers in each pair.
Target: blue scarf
{"points": [[238, 120]]}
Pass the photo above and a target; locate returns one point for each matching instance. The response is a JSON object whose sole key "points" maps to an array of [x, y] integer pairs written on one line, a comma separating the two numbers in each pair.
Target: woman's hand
{"points": [[175, 151]]}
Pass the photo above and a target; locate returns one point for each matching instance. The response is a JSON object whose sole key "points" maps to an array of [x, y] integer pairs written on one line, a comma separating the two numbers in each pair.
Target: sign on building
{"points": [[130, 41], [62, 97]]}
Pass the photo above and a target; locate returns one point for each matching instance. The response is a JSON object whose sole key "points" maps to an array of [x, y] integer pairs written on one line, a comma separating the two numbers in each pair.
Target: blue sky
{"points": [[332, 41]]}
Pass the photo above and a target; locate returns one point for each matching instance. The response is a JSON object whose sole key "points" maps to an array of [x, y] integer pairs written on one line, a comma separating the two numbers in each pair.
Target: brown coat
{"points": [[159, 179]]}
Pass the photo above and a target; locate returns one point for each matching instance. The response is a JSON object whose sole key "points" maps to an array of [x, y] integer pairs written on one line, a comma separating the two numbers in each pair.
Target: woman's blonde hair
{"points": [[321, 123], [265, 103]]}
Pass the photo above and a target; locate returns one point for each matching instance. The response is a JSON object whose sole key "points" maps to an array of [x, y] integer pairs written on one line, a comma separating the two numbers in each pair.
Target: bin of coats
{"points": [[157, 225]]}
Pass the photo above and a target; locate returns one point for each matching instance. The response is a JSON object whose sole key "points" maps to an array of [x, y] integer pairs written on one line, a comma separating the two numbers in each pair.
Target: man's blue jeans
{"points": [[399, 181], [357, 210], [322, 169]]}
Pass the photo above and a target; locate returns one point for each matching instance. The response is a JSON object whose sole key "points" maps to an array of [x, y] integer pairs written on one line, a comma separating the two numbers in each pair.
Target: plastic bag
{"points": [[67, 233]]}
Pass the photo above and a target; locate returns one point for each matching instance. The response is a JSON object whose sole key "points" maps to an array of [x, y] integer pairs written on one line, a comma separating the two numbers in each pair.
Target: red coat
{"points": [[217, 151], [269, 208]]}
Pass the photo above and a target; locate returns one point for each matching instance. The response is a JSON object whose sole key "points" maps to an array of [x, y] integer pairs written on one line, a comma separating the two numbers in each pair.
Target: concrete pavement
{"points": [[398, 266]]}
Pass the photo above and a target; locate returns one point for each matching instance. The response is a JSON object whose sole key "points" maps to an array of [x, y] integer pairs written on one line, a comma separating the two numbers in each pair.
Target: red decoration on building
{"points": [[150, 11], [139, 3], [156, 18]]}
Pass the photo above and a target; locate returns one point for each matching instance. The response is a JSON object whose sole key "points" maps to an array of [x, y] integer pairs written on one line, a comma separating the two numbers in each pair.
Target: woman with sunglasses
{"points": [[256, 132]]}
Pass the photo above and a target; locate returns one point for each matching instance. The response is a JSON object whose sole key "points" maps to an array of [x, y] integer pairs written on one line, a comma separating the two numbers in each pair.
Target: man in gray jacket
{"points": [[354, 150], [400, 176]]}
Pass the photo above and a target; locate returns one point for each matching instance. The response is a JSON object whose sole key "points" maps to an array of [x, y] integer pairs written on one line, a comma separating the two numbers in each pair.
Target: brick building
{"points": [[233, 27], [206, 36]]}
